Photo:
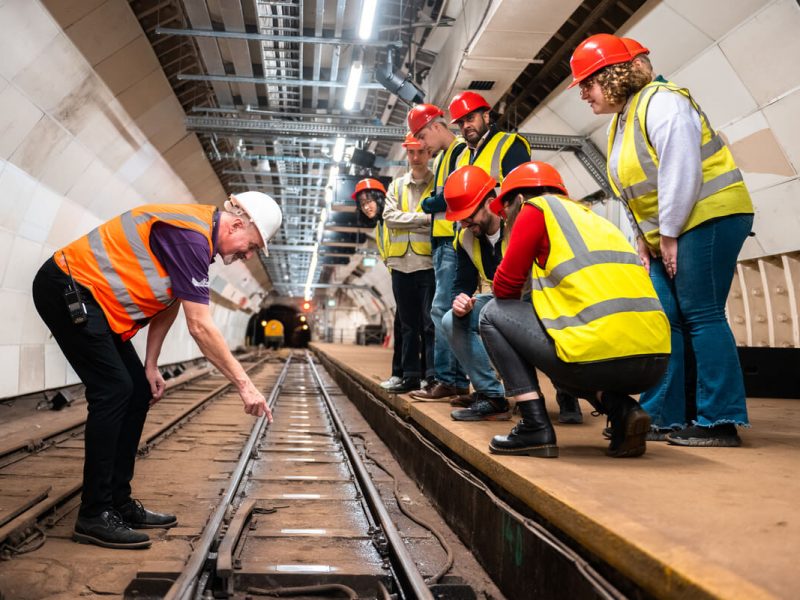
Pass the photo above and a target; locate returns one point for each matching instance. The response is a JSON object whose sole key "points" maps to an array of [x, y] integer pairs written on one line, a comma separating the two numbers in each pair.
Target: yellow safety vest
{"points": [[593, 296], [491, 154], [399, 239], [636, 178], [441, 171], [381, 235], [472, 246]]}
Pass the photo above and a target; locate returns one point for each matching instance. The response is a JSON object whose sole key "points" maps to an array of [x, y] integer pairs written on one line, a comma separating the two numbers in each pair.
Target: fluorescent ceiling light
{"points": [[338, 150], [353, 82], [367, 18]]}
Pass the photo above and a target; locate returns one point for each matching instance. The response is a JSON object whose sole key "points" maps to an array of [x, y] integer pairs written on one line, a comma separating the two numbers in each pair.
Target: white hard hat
{"points": [[262, 210]]}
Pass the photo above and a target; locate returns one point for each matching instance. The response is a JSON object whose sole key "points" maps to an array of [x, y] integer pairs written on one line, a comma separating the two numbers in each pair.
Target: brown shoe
{"points": [[436, 392], [462, 401]]}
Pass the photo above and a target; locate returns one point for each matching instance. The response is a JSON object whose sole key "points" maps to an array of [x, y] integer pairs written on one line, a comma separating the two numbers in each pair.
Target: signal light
{"points": [[302, 318], [306, 305]]}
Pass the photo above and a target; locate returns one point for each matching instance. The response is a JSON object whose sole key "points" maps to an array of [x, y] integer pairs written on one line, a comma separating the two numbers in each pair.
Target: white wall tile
{"points": [[6, 241], [764, 51], [46, 139], [70, 223], [42, 209], [25, 30], [72, 376], [569, 107], [34, 331], [55, 367], [31, 368], [25, 255], [16, 189], [713, 83], [716, 17], [9, 370], [783, 117], [18, 116], [544, 120], [777, 218], [90, 185], [64, 169], [12, 307]]}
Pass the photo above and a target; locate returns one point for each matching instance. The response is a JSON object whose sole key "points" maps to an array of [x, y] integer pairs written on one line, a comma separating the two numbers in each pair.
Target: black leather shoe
{"points": [[532, 436], [109, 531], [407, 384], [138, 517], [569, 409]]}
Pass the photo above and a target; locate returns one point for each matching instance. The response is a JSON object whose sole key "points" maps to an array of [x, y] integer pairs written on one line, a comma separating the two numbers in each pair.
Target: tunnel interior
{"points": [[296, 328]]}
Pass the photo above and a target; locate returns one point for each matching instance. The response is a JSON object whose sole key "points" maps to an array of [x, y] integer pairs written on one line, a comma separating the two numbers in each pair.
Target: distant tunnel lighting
{"points": [[353, 82], [263, 323], [303, 318], [305, 327], [338, 149], [367, 18]]}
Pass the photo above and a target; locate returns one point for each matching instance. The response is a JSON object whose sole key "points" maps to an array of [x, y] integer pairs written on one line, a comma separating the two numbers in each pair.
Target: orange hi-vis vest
{"points": [[115, 262]]}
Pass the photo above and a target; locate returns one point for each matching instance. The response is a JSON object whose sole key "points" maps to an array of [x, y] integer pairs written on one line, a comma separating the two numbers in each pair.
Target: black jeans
{"points": [[413, 293], [518, 345], [117, 392]]}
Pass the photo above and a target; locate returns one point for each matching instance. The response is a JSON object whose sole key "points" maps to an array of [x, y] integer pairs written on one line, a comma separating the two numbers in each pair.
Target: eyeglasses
{"points": [[366, 202]]}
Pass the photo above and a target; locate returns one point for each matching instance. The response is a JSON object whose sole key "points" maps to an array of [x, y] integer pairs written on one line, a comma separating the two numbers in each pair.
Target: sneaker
{"points": [[484, 408], [138, 517], [109, 531], [723, 435], [569, 409], [406, 384], [393, 380], [654, 435], [437, 391]]}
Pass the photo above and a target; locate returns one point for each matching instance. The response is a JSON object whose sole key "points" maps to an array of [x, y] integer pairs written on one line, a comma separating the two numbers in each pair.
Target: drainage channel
{"points": [[301, 515]]}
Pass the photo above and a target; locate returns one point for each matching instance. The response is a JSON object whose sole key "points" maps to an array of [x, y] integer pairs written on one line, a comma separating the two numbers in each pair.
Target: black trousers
{"points": [[413, 294], [117, 392]]}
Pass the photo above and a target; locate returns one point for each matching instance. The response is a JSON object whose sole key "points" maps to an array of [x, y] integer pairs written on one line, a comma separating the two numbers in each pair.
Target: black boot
{"points": [[569, 410], [629, 425], [137, 516], [532, 436], [108, 530]]}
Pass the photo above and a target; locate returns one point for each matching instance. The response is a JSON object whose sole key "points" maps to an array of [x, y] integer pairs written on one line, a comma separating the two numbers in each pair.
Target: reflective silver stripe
{"points": [[604, 309], [712, 186], [159, 285], [112, 277], [711, 147], [639, 189], [648, 225], [143, 218], [574, 265], [494, 169]]}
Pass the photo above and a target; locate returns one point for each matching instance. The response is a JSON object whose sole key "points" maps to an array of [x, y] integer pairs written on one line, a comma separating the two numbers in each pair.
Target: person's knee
{"points": [[447, 324]]}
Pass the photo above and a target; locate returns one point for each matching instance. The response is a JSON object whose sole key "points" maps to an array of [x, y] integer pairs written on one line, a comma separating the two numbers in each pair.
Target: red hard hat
{"points": [[368, 184], [421, 115], [596, 52], [412, 143], [634, 47], [464, 103], [527, 175], [464, 190]]}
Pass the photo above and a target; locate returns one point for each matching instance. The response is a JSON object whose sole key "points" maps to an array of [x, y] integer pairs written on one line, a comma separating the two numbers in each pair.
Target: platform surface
{"points": [[714, 522]]}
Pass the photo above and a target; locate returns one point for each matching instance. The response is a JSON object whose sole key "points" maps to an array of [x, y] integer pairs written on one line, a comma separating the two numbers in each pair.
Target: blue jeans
{"points": [[446, 366], [462, 333], [695, 305]]}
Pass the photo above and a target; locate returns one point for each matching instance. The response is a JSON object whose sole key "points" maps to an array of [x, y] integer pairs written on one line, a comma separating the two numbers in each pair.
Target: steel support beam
{"points": [[277, 127], [282, 81], [266, 37]]}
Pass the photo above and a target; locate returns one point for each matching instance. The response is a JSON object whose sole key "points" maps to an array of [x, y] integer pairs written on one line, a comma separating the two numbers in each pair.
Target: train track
{"points": [[286, 508]]}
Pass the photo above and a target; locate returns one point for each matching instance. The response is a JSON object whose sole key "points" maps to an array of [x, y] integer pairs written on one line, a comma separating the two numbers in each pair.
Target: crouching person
{"points": [[596, 327]]}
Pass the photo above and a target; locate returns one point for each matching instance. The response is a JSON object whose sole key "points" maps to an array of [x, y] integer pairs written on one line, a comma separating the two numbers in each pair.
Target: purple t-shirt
{"points": [[186, 258]]}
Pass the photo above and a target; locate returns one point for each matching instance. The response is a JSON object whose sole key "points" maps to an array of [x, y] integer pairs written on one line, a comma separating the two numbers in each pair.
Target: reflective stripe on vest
{"points": [[381, 235], [399, 239], [441, 171], [593, 296], [116, 263], [472, 246], [636, 178], [490, 156]]}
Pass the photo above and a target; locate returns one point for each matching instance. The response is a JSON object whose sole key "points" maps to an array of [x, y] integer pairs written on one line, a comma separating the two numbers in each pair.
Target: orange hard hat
{"points": [[527, 175], [421, 115], [412, 143], [596, 52], [634, 47], [464, 103], [464, 190], [368, 184]]}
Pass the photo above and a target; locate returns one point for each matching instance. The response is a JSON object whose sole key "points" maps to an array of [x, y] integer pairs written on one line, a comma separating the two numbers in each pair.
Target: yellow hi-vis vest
{"points": [[381, 235], [115, 262], [441, 171], [472, 246], [491, 154], [593, 296], [636, 179], [399, 239]]}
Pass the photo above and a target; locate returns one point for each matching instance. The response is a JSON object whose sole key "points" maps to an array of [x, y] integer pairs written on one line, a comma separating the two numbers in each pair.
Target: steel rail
{"points": [[185, 585], [408, 571]]}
